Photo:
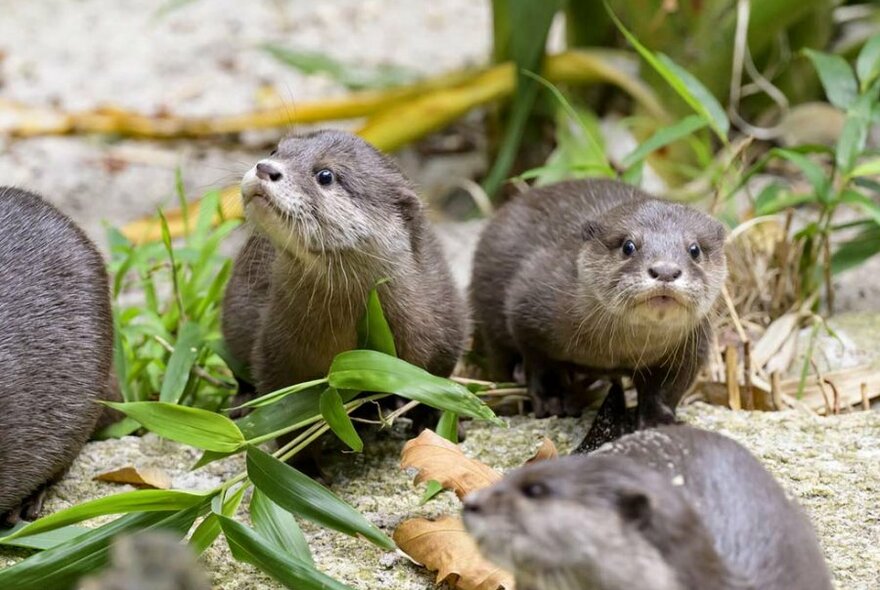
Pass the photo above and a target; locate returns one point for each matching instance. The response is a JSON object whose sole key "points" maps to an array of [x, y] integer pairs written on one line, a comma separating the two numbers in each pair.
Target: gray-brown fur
{"points": [[552, 289], [300, 285], [672, 508], [55, 346]]}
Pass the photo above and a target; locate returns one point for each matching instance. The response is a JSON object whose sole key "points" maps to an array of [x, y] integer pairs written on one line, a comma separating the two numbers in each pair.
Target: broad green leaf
{"points": [[854, 136], [333, 411], [373, 330], [851, 254], [248, 546], [683, 82], [186, 350], [432, 489], [367, 370], [208, 209], [136, 501], [868, 63], [664, 137], [869, 168], [814, 173], [447, 427], [209, 529], [42, 541], [191, 426], [355, 77], [300, 495], [837, 78], [59, 568], [279, 526], [863, 202], [118, 429], [775, 198]]}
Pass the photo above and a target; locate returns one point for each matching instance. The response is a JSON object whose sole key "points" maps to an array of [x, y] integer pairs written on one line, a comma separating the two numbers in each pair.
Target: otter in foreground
{"points": [[332, 218], [595, 278], [672, 508], [55, 347]]}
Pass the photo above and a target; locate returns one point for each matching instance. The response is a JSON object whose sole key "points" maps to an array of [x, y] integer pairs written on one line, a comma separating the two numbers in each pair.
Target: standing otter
{"points": [[55, 347], [674, 508], [332, 218], [597, 278]]}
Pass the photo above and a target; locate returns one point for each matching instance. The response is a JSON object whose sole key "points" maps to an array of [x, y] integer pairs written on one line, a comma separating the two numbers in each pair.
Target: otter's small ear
{"points": [[635, 507], [591, 230], [412, 214]]}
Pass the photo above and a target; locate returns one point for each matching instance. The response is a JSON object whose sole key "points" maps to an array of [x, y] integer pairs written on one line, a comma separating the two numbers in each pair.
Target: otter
{"points": [[594, 278], [55, 347], [671, 508], [332, 218]]}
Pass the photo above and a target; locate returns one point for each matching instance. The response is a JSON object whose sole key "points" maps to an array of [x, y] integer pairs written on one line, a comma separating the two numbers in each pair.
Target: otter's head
{"points": [[330, 192], [584, 522], [653, 262]]}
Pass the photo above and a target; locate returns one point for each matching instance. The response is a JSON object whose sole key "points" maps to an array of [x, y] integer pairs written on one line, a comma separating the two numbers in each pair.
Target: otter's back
{"points": [[55, 342]]}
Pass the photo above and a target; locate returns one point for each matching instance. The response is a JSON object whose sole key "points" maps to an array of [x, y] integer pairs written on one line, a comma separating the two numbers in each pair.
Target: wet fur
{"points": [[673, 508], [551, 290], [300, 284], [55, 343]]}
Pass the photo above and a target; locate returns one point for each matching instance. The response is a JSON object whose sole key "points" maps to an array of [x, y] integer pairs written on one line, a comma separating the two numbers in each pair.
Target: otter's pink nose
{"points": [[664, 272], [268, 172]]}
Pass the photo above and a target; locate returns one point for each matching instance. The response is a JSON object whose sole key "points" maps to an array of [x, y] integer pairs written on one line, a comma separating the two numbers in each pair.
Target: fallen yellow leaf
{"points": [[444, 546], [547, 450], [438, 459], [144, 477]]}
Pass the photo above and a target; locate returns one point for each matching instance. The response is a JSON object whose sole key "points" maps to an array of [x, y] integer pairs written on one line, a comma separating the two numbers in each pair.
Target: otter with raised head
{"points": [[332, 217], [596, 278], [672, 508], [56, 342]]}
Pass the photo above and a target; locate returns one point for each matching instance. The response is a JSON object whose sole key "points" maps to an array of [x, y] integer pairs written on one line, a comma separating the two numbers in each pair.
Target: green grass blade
{"points": [[277, 525], [664, 137], [42, 541], [136, 501], [300, 495], [333, 411], [854, 136], [248, 546], [59, 568], [691, 90], [209, 529], [276, 396], [186, 350], [374, 333], [868, 63], [837, 78], [192, 426], [367, 370], [813, 172]]}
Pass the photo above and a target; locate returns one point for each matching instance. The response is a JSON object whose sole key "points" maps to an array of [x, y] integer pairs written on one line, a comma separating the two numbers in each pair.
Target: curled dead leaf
{"points": [[143, 477], [438, 459], [444, 546], [546, 451]]}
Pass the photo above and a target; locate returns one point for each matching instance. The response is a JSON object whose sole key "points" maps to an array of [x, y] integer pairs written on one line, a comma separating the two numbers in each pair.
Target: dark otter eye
{"points": [[272, 153], [629, 248], [694, 250], [535, 490], [324, 177]]}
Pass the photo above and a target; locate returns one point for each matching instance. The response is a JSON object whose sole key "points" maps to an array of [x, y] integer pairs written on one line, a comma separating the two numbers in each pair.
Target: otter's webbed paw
{"points": [[29, 509], [546, 390]]}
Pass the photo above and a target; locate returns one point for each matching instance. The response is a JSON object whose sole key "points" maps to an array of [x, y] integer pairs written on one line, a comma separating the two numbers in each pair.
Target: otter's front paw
{"points": [[29, 509]]}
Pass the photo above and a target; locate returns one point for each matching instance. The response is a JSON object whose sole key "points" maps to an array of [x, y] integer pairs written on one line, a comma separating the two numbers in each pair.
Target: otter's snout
{"points": [[267, 171], [665, 272]]}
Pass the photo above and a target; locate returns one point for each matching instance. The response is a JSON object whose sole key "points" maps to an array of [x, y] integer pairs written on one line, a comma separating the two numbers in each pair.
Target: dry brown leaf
{"points": [[547, 450], [438, 459], [444, 546], [143, 477]]}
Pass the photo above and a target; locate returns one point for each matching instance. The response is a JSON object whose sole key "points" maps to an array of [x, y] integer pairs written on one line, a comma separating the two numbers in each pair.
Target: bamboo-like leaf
{"points": [[868, 63], [814, 172], [854, 252], [447, 427], [246, 545], [374, 333], [683, 82], [279, 526], [191, 426], [186, 350], [863, 202], [278, 395], [869, 168], [664, 137], [333, 411], [136, 501], [209, 529], [42, 541], [837, 78], [854, 136], [368, 370], [58, 568], [300, 495]]}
